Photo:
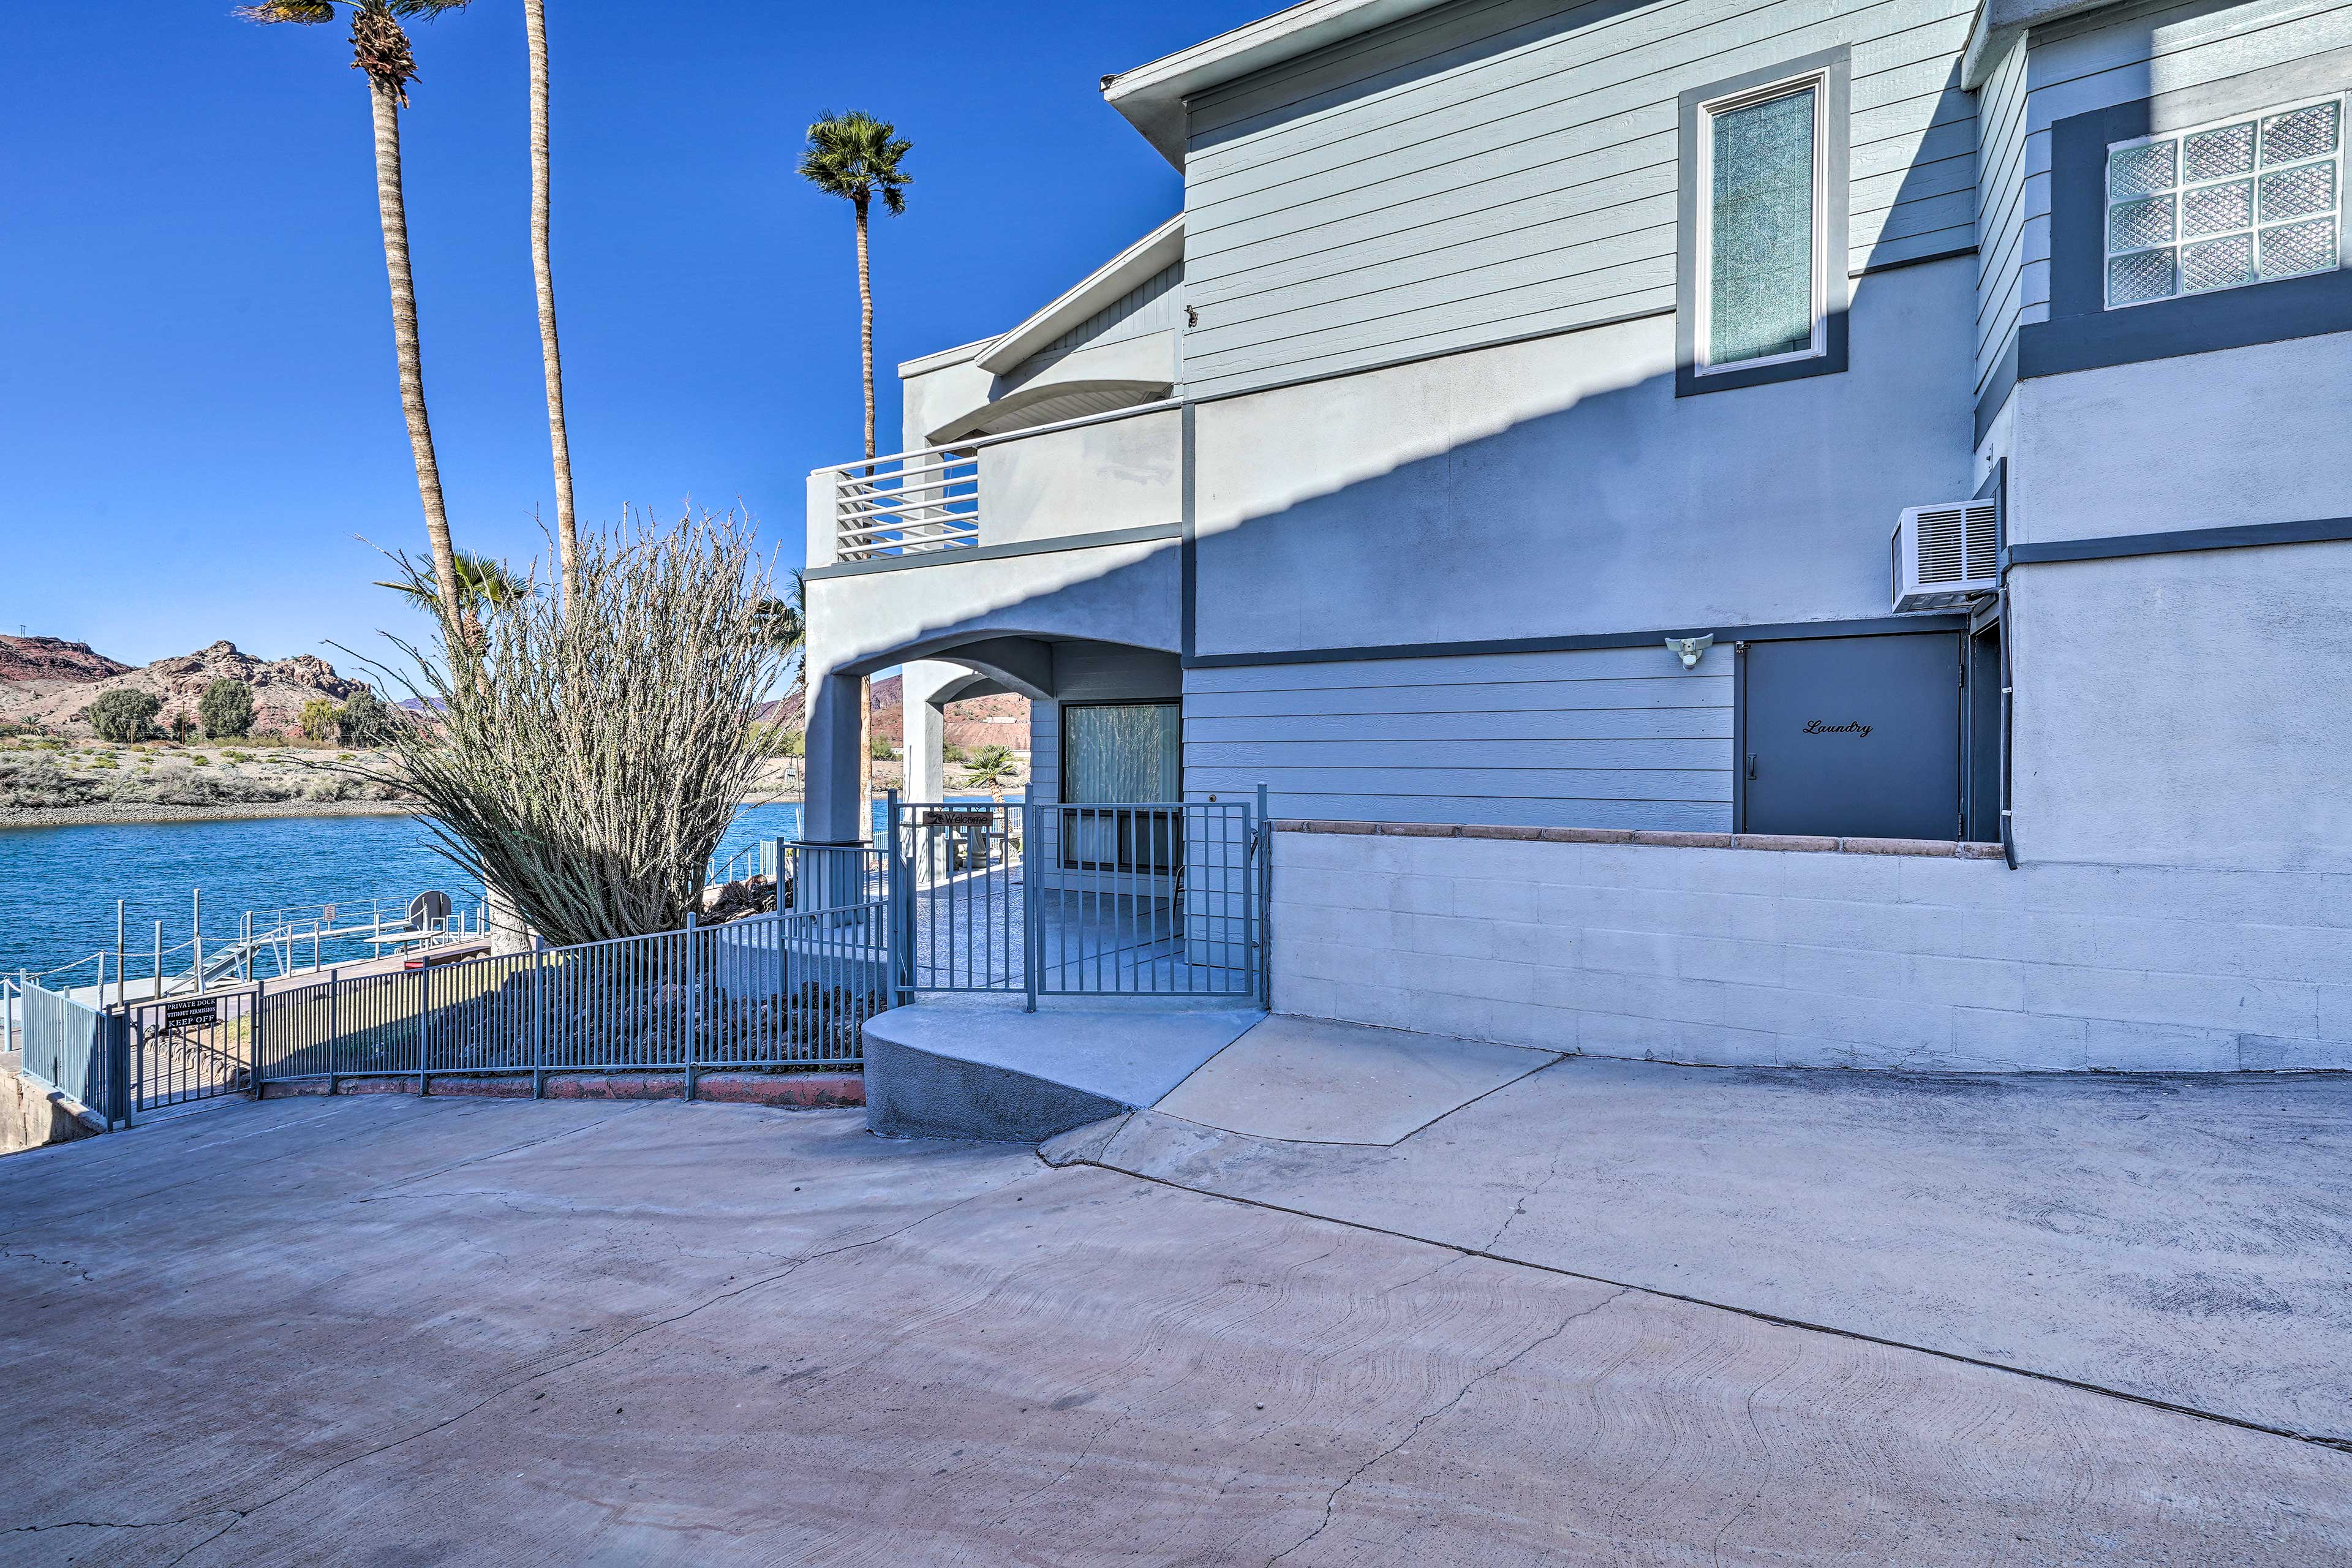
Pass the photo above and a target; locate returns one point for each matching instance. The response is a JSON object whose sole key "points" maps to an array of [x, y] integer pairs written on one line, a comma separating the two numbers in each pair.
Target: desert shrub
{"points": [[199, 759], [198, 789], [104, 762], [234, 755], [882, 751], [364, 721], [43, 788], [587, 757], [951, 752], [226, 709], [124, 714], [316, 719]]}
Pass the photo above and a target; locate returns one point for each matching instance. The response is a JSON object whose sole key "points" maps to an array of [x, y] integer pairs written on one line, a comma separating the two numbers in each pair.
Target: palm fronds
{"points": [[481, 583], [858, 158]]}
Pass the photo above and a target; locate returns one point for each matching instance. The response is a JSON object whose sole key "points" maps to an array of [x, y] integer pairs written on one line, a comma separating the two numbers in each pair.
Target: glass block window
{"points": [[2221, 206], [1762, 255]]}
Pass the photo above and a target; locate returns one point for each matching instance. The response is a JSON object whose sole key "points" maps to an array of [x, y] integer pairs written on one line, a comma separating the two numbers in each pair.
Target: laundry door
{"points": [[1856, 737]]}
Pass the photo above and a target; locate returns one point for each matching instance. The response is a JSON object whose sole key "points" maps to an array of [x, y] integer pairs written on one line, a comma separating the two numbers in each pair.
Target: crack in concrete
{"points": [[2243, 1424], [1528, 1198], [105, 1524], [68, 1264], [1331, 1502]]}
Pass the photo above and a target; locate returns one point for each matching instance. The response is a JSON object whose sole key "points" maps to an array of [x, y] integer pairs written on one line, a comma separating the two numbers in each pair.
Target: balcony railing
{"points": [[910, 503]]}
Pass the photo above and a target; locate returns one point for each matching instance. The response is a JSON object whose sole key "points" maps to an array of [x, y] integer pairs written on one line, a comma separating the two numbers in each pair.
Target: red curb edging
{"points": [[1776, 843], [800, 1092]]}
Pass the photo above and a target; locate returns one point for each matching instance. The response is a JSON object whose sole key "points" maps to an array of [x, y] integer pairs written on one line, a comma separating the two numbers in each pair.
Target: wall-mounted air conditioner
{"points": [[1946, 555]]}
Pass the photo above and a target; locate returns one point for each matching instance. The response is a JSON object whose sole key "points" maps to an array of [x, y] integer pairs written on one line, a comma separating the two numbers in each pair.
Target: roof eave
{"points": [[1152, 96], [1116, 277]]}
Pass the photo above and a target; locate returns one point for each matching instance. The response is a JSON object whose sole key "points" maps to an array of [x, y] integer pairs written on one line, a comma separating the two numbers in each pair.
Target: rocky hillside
{"points": [[28, 659], [60, 704], [1001, 721]]}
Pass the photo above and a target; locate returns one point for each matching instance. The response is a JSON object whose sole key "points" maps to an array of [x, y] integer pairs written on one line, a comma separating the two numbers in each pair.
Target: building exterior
{"points": [[1506, 457]]}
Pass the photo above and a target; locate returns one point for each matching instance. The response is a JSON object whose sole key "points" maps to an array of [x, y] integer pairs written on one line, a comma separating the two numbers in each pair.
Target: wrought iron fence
{"points": [[1052, 898], [783, 991], [66, 1046]]}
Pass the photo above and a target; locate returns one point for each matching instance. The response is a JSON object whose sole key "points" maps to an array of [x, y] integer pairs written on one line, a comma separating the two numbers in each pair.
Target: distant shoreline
{"points": [[131, 814], [139, 813]]}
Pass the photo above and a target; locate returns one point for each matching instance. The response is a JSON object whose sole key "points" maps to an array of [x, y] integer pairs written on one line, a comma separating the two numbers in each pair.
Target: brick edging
{"points": [[1785, 842]]}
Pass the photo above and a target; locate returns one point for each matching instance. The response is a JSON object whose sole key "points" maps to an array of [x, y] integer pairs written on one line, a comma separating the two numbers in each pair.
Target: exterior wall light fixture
{"points": [[1690, 651]]}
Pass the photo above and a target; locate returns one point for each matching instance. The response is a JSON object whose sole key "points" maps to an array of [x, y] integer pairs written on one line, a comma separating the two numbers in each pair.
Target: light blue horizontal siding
{"points": [[1154, 305], [1501, 167], [1586, 695], [1603, 738], [2001, 209]]}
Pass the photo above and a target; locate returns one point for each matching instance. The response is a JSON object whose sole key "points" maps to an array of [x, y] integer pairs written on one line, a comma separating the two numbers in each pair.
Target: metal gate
{"points": [[1051, 899], [187, 1049]]}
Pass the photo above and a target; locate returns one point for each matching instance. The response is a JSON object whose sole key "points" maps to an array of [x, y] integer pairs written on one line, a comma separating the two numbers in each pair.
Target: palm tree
{"points": [[567, 529], [480, 582], [380, 52], [858, 157], [784, 619]]}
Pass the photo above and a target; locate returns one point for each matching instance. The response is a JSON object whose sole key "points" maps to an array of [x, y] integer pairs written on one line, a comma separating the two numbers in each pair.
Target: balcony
{"points": [[910, 503], [1076, 481]]}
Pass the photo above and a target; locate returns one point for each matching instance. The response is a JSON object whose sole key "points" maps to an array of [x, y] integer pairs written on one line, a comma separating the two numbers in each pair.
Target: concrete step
{"points": [[984, 1069]]}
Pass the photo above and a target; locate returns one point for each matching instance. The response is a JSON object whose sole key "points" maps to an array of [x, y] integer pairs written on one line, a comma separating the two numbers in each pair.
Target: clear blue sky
{"points": [[198, 409]]}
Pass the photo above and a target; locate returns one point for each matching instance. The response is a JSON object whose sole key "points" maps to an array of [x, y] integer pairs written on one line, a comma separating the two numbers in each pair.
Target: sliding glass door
{"points": [[1121, 755]]}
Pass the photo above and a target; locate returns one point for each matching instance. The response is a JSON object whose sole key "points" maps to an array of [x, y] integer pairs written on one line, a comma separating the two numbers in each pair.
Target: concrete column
{"points": [[834, 811], [924, 747]]}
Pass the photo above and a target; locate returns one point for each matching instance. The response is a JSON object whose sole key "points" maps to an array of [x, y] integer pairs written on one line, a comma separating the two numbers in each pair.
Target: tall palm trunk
{"points": [[567, 530], [394, 212], [864, 683], [865, 322]]}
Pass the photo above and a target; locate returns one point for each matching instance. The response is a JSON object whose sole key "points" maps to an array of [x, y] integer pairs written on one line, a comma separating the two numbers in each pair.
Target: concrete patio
{"points": [[397, 1332]]}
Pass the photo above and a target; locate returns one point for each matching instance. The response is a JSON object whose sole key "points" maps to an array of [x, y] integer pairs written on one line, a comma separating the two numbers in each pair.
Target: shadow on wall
{"points": [[1602, 504]]}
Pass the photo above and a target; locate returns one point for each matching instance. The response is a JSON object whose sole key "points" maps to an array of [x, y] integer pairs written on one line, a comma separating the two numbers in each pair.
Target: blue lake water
{"points": [[57, 885]]}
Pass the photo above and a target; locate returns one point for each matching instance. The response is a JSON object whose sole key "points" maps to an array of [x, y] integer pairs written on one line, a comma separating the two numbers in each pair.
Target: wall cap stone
{"points": [[1776, 843]]}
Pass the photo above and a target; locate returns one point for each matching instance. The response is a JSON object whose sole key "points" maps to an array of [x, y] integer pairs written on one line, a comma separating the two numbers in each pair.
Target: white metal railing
{"points": [[910, 503]]}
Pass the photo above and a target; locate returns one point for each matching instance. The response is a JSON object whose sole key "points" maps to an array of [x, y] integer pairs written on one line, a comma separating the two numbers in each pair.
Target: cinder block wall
{"points": [[1760, 957]]}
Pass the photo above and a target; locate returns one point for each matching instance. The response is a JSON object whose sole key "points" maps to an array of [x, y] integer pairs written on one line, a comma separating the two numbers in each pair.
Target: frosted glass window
{"points": [[1127, 754], [2223, 206], [1762, 214]]}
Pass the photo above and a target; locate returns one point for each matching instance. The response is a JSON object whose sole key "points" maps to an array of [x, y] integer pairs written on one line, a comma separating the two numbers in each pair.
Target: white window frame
{"points": [[1703, 362], [2181, 185]]}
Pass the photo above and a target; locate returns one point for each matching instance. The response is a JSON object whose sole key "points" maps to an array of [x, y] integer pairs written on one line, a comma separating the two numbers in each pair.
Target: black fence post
{"points": [[693, 985], [1032, 918], [1265, 901], [117, 1069], [253, 1039]]}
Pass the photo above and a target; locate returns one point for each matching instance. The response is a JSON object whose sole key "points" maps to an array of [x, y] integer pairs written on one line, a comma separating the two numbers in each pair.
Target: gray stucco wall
{"points": [[1558, 486], [1492, 169], [1094, 478], [2253, 435], [2191, 710], [1122, 592]]}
